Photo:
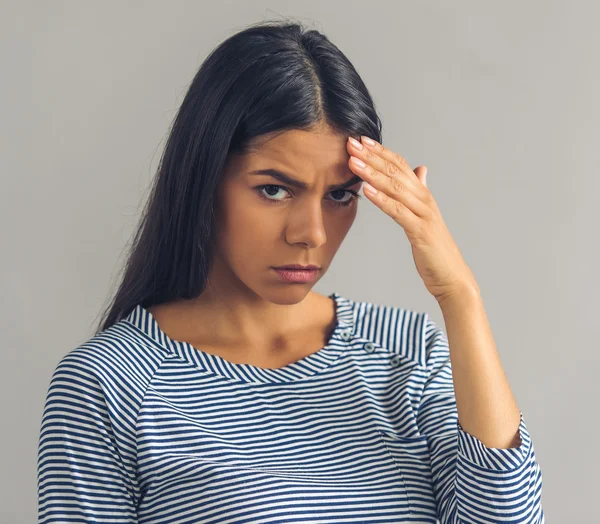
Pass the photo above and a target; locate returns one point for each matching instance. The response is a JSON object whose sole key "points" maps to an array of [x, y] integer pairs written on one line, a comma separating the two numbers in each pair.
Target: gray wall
{"points": [[498, 99]]}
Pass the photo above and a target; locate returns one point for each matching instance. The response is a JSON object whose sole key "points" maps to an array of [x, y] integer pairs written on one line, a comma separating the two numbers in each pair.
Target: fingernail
{"points": [[367, 140], [355, 143], [369, 188]]}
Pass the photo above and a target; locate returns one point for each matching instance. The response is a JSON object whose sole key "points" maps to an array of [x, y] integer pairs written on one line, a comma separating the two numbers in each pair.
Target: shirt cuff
{"points": [[470, 448]]}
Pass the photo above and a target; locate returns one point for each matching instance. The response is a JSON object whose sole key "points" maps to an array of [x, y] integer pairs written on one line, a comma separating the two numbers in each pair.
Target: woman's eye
{"points": [[273, 188], [270, 189]]}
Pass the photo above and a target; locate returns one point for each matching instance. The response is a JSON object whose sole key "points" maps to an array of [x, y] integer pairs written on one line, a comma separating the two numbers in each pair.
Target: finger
{"points": [[379, 154], [385, 167], [421, 173], [393, 188], [400, 213]]}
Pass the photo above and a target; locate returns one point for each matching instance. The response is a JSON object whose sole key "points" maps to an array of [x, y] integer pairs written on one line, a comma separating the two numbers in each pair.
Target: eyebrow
{"points": [[302, 185]]}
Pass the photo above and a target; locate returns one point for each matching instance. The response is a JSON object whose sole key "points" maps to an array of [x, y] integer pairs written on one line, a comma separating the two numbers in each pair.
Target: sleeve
{"points": [[472, 483], [80, 475]]}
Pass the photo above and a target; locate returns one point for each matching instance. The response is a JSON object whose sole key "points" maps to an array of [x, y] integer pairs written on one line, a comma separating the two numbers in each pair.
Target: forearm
{"points": [[486, 406]]}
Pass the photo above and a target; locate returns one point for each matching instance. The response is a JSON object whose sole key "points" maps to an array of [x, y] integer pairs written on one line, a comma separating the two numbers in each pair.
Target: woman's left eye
{"points": [[354, 195]]}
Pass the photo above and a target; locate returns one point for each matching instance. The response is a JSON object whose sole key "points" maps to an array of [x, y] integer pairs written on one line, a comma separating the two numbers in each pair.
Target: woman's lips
{"points": [[301, 276]]}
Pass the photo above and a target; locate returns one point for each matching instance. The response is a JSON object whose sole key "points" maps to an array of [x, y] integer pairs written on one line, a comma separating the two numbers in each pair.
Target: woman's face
{"points": [[258, 228]]}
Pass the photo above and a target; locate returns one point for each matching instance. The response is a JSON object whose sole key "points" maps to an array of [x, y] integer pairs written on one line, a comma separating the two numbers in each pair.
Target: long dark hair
{"points": [[271, 76]]}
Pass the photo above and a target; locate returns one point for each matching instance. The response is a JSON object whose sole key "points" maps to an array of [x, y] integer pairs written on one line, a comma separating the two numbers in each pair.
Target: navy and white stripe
{"points": [[139, 428]]}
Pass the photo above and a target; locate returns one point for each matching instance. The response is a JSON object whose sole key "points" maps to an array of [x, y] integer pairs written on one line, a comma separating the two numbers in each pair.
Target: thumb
{"points": [[421, 173]]}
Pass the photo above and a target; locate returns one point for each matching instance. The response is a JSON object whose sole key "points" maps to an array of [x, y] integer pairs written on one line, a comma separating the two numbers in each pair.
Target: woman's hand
{"points": [[403, 194]]}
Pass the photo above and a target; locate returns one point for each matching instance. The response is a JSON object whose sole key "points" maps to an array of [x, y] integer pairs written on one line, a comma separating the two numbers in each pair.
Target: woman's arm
{"points": [[486, 406], [473, 482], [80, 474]]}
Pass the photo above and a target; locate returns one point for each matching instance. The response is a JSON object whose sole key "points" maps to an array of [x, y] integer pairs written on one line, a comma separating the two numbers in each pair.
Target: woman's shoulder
{"points": [[382, 309], [115, 354], [401, 330]]}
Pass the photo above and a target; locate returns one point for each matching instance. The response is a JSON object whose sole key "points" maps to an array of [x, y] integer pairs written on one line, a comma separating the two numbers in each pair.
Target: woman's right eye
{"points": [[260, 191]]}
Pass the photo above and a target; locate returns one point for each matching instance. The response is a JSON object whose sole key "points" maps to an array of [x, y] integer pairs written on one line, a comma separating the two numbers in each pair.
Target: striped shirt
{"points": [[140, 428]]}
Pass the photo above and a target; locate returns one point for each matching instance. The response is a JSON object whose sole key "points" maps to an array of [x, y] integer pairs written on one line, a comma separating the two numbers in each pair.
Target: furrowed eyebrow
{"points": [[282, 177]]}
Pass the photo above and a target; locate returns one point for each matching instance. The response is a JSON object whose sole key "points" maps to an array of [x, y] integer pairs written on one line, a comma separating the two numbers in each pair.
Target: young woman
{"points": [[219, 388]]}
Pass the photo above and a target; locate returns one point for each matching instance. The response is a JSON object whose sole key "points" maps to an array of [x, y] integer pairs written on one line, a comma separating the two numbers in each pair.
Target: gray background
{"points": [[498, 99]]}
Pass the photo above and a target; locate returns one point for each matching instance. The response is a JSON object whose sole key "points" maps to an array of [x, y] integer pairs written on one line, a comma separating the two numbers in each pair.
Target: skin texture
{"points": [[247, 313]]}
